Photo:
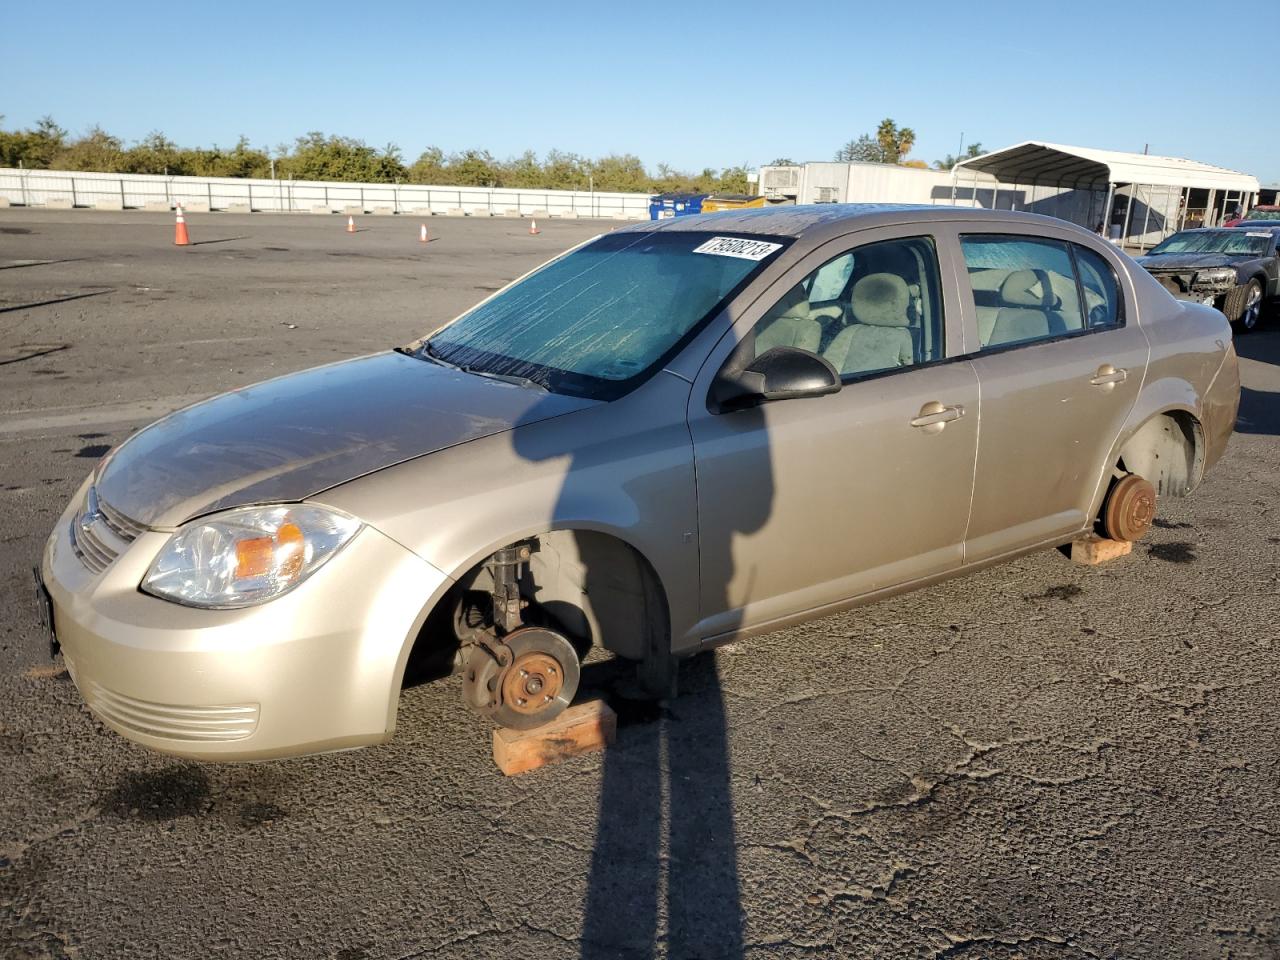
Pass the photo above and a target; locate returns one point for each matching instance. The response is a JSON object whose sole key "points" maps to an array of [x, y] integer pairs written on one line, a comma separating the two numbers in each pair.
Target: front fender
{"points": [[623, 468]]}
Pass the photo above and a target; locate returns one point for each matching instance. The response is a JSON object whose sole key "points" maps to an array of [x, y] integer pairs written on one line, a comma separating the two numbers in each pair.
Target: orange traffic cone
{"points": [[533, 228], [351, 224], [180, 238], [422, 234]]}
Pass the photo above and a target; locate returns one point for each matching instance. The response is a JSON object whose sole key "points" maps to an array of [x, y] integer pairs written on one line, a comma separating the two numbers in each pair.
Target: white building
{"points": [[1132, 196]]}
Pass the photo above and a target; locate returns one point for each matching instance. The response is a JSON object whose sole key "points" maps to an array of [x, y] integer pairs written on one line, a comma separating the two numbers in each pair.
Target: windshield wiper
{"points": [[506, 378], [428, 354]]}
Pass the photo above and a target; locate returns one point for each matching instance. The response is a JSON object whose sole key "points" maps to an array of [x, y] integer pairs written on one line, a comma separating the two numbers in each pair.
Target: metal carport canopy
{"points": [[1036, 162]]}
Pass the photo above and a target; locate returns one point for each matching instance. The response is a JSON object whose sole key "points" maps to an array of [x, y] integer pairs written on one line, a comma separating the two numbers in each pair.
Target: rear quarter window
{"points": [[1104, 305]]}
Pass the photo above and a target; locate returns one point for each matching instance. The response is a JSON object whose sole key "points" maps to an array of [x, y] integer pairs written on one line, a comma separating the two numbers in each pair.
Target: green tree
{"points": [[474, 168], [895, 141], [891, 144], [621, 173], [733, 180], [564, 171], [155, 153], [783, 162], [97, 150], [949, 161], [862, 150], [34, 149], [429, 168], [523, 171], [319, 157]]}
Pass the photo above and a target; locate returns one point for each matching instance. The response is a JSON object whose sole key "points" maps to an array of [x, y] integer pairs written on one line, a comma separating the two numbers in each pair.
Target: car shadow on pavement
{"points": [[683, 745], [1259, 412], [664, 879], [1260, 409]]}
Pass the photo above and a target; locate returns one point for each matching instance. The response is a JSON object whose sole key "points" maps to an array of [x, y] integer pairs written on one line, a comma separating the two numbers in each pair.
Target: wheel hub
{"points": [[1130, 508], [532, 682]]}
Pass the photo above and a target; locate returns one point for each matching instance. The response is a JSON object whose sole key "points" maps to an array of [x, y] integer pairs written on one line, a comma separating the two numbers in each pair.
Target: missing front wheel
{"points": [[523, 680]]}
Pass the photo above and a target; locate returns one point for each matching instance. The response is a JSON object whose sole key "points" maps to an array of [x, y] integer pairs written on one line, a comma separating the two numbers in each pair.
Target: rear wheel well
{"points": [[593, 587], [1169, 451]]}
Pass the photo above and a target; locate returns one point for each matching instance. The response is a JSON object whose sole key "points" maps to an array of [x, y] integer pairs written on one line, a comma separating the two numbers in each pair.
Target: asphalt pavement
{"points": [[1037, 761]]}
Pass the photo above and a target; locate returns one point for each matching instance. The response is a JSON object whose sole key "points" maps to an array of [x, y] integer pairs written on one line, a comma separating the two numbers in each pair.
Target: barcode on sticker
{"points": [[738, 247]]}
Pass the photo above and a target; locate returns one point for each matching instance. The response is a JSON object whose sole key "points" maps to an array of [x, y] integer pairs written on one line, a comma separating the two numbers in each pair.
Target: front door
{"points": [[806, 503]]}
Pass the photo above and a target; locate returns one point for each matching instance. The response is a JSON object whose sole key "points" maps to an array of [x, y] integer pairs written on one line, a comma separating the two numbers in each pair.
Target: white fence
{"points": [[60, 188]]}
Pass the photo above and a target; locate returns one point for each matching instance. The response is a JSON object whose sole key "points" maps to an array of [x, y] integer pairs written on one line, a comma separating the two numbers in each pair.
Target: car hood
{"points": [[1192, 261], [292, 437]]}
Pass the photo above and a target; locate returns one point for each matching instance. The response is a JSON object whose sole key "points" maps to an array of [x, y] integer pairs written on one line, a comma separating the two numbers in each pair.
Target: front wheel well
{"points": [[1169, 451], [592, 586]]}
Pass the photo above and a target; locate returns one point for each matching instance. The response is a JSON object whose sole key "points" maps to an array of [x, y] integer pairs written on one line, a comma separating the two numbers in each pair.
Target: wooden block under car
{"points": [[583, 728], [1093, 550]]}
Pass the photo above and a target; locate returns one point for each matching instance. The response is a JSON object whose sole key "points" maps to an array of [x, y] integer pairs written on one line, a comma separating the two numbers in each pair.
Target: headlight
{"points": [[1216, 275], [247, 556]]}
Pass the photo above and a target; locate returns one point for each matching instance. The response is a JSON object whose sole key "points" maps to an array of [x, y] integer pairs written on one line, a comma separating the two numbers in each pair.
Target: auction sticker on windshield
{"points": [[738, 247], [1256, 233]]}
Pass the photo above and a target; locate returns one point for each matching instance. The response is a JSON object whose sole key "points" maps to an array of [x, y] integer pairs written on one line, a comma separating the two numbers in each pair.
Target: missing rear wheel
{"points": [[1130, 508]]}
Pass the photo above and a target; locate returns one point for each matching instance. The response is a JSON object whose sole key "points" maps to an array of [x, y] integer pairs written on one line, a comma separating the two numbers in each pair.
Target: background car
{"points": [[1264, 212], [1234, 269]]}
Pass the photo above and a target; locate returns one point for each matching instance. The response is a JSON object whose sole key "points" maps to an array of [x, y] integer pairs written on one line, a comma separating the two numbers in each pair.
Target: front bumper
{"points": [[314, 670], [1189, 285]]}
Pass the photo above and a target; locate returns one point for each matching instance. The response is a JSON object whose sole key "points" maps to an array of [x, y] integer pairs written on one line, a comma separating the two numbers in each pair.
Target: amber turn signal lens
{"points": [[290, 551], [281, 555], [254, 557]]}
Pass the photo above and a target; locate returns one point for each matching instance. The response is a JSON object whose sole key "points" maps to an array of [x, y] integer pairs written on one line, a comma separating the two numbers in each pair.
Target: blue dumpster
{"points": [[666, 205]]}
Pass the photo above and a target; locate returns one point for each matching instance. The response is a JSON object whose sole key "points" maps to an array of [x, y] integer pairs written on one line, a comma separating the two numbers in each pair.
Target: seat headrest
{"points": [[881, 299], [1028, 288]]}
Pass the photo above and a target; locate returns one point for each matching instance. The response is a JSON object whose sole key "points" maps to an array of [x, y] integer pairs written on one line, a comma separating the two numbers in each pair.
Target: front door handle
{"points": [[934, 416], [1108, 376]]}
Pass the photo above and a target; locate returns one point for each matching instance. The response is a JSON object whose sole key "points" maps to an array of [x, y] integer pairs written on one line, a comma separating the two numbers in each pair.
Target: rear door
{"points": [[1060, 359], [805, 503]]}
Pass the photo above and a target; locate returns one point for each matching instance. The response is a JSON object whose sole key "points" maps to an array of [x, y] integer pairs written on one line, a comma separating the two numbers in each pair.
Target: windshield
{"points": [[597, 320], [1232, 242]]}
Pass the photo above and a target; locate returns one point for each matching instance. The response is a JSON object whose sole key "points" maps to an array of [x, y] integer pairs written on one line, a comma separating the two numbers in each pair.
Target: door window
{"points": [[874, 308], [1024, 289]]}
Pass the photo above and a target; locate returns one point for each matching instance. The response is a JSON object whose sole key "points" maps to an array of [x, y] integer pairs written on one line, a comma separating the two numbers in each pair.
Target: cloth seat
{"points": [[794, 327], [879, 337], [1027, 299], [790, 331]]}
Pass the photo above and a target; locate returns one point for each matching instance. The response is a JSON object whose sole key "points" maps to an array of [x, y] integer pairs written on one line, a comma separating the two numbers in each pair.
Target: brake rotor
{"points": [[527, 680], [1131, 506]]}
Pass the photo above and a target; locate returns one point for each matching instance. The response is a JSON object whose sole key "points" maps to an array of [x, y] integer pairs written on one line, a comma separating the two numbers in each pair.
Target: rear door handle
{"points": [[934, 416], [1109, 376]]}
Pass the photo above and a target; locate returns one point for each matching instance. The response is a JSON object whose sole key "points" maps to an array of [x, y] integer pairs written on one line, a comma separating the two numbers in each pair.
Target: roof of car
{"points": [[1271, 225], [790, 220]]}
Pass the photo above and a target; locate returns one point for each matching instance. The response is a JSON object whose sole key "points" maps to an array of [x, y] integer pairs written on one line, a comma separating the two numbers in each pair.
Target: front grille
{"points": [[124, 528], [99, 533], [90, 548], [232, 722]]}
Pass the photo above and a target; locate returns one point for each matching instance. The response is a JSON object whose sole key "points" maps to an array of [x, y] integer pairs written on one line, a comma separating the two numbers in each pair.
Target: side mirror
{"points": [[782, 373]]}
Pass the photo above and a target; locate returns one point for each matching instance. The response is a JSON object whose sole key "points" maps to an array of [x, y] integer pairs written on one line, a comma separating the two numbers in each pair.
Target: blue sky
{"points": [[688, 84]]}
